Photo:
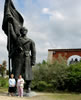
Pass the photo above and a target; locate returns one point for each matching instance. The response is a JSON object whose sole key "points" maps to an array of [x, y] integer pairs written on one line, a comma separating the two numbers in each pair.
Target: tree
{"points": [[3, 68]]}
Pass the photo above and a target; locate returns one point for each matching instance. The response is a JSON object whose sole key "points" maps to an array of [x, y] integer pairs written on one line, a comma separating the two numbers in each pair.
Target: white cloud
{"points": [[51, 24], [3, 38], [53, 15], [46, 11]]}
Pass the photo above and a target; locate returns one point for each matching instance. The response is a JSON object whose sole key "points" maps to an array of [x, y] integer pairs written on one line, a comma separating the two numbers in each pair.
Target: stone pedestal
{"points": [[30, 94]]}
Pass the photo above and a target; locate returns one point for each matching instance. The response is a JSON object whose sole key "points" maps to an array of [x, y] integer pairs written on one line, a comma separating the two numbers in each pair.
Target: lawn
{"points": [[63, 96], [44, 96], [3, 90]]}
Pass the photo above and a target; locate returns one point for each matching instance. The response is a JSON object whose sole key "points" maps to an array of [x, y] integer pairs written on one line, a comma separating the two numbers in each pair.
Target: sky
{"points": [[51, 24]]}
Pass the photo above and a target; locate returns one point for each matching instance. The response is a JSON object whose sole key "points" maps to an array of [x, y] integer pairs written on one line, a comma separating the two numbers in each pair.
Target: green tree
{"points": [[3, 68], [57, 76], [73, 81], [51, 75]]}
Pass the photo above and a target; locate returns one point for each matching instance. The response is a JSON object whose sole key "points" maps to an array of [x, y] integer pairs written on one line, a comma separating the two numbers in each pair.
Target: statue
{"points": [[21, 49], [22, 61]]}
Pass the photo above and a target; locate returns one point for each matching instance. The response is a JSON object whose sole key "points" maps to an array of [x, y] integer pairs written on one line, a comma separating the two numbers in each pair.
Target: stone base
{"points": [[30, 94]]}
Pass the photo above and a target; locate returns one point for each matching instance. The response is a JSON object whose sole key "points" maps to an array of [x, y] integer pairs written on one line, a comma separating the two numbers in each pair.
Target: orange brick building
{"points": [[54, 53]]}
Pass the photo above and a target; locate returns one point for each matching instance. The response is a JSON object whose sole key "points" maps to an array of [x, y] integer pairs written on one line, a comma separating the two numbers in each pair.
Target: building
{"points": [[67, 53]]}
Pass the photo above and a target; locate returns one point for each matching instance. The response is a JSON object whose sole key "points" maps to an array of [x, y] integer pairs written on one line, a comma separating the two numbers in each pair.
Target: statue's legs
{"points": [[28, 83], [17, 65]]}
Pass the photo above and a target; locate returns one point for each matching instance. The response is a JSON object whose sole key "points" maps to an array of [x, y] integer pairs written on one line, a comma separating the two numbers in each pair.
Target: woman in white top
{"points": [[12, 84], [20, 86]]}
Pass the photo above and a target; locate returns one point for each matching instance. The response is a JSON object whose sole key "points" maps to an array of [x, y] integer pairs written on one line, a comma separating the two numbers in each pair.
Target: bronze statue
{"points": [[21, 49]]}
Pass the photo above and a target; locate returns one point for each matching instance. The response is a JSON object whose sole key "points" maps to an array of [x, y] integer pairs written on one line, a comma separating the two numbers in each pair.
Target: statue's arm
{"points": [[6, 6], [12, 33], [33, 53]]}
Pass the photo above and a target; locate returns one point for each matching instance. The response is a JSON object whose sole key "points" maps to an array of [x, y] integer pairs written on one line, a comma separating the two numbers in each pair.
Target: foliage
{"points": [[49, 76], [3, 82], [7, 72], [3, 68], [57, 76], [73, 81]]}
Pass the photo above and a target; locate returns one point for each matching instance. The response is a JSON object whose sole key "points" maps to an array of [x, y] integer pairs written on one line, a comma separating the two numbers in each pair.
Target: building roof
{"points": [[73, 49]]}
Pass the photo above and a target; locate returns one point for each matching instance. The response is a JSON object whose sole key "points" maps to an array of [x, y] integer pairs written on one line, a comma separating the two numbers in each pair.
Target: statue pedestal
{"points": [[30, 94]]}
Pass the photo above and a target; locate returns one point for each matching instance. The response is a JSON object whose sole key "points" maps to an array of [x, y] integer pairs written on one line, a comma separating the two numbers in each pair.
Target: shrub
{"points": [[3, 82], [50, 75], [57, 76], [42, 86], [73, 81]]}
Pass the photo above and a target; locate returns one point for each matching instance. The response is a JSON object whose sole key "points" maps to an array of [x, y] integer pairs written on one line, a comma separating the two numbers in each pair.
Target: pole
{"points": [[9, 47]]}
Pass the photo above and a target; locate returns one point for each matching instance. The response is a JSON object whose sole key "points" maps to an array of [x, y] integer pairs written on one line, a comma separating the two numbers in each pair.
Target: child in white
{"points": [[20, 86], [12, 84]]}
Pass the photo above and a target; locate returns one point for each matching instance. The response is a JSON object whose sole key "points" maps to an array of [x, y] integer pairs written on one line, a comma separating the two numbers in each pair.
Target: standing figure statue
{"points": [[23, 58], [21, 49]]}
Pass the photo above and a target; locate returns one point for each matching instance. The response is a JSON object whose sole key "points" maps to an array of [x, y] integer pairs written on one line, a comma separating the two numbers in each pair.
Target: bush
{"points": [[49, 77], [42, 86], [57, 76], [3, 82], [73, 81]]}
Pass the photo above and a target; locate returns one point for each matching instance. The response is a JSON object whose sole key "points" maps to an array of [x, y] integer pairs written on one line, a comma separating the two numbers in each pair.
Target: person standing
{"points": [[12, 84], [20, 86]]}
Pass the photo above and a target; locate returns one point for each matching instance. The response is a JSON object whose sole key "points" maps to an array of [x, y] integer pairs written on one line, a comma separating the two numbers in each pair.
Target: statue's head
{"points": [[23, 31]]}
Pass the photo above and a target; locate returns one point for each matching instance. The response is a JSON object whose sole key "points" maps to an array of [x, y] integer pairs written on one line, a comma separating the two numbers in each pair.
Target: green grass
{"points": [[56, 96], [63, 96], [3, 90]]}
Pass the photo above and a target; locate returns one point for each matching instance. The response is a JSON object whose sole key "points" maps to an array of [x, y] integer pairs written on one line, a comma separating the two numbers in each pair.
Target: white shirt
{"points": [[20, 82], [12, 82]]}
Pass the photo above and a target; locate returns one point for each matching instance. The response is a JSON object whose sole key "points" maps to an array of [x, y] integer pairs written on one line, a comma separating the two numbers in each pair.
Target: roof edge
{"points": [[69, 49]]}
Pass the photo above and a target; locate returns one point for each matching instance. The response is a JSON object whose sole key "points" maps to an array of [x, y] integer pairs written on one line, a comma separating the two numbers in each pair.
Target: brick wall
{"points": [[54, 53]]}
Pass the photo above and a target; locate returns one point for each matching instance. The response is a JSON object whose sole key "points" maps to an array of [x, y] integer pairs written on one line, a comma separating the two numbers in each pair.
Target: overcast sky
{"points": [[51, 24]]}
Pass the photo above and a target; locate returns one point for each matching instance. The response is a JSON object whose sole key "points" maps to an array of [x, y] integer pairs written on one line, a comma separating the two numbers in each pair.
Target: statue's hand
{"points": [[10, 19], [20, 49], [32, 63]]}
